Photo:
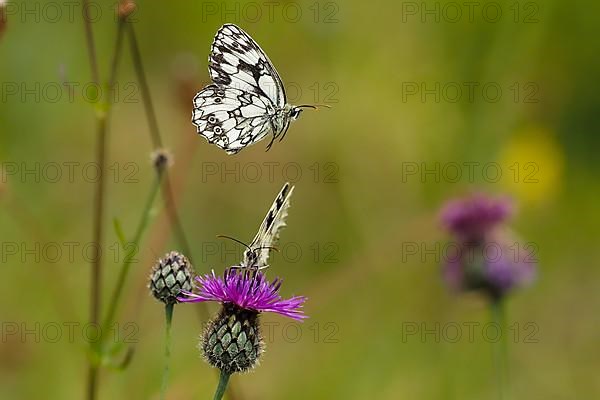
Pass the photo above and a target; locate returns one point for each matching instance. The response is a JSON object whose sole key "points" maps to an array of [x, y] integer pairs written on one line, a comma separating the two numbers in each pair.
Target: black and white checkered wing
{"points": [[268, 233], [230, 118], [237, 61]]}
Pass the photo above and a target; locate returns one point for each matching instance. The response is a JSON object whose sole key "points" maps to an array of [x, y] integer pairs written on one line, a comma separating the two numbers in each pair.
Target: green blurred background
{"points": [[355, 208]]}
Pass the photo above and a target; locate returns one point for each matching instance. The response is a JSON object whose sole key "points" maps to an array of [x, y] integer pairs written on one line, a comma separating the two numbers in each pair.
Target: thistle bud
{"points": [[232, 341], [125, 9], [170, 276], [161, 159]]}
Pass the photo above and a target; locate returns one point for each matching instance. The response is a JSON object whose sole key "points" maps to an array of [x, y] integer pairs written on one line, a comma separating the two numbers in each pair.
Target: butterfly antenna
{"points": [[313, 106], [235, 240], [268, 247]]}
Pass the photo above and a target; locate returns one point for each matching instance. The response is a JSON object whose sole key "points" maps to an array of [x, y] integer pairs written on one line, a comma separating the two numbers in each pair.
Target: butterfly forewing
{"points": [[237, 61], [268, 233]]}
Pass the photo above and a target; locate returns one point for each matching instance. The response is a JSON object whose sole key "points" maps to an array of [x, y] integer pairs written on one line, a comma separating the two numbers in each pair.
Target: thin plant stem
{"points": [[92, 378], [165, 378], [99, 203], [89, 37], [117, 57], [143, 223], [144, 88], [500, 348], [223, 379], [102, 117]]}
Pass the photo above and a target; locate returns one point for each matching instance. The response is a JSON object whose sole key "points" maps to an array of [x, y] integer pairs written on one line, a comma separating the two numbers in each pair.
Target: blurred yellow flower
{"points": [[533, 164]]}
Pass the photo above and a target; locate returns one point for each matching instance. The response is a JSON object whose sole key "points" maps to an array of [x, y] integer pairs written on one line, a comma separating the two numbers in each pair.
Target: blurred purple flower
{"points": [[246, 289], [472, 217], [486, 257], [505, 272], [496, 266]]}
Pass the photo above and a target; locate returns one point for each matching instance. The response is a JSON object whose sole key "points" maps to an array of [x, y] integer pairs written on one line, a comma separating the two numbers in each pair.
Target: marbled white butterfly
{"points": [[246, 100]]}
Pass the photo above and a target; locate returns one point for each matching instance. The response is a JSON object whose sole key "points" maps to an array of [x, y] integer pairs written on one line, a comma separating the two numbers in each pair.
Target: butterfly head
{"points": [[251, 257], [295, 113], [292, 112]]}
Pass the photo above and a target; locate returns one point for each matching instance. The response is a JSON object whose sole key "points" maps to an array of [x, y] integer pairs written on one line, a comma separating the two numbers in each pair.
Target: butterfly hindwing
{"points": [[268, 233], [230, 118]]}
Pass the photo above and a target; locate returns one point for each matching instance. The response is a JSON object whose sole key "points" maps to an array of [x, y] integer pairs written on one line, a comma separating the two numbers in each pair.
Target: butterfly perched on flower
{"points": [[246, 100], [257, 254]]}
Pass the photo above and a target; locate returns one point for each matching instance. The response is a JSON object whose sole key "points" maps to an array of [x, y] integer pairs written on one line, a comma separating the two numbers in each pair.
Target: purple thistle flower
{"points": [[474, 216], [232, 340], [247, 290], [487, 258], [497, 265], [510, 267]]}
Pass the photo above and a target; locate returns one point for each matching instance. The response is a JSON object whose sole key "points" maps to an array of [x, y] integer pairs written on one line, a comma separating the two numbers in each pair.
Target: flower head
{"points": [[232, 340], [506, 272], [496, 266], [247, 290], [171, 276], [487, 258], [474, 216]]}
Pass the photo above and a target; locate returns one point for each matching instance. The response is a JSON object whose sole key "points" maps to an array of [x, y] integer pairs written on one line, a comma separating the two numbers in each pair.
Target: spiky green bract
{"points": [[232, 341]]}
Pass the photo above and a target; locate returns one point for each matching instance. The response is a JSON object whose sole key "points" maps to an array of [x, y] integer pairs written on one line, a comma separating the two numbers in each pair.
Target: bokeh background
{"points": [[355, 208]]}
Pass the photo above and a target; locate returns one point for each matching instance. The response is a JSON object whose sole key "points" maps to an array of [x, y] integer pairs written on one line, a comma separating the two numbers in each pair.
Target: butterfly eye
{"points": [[212, 119], [221, 93], [217, 130], [218, 100]]}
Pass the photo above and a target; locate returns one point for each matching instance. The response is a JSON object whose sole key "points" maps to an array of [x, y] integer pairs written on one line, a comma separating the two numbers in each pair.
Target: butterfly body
{"points": [[247, 99]]}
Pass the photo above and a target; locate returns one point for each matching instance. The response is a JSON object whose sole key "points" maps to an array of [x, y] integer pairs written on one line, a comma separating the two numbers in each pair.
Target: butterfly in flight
{"points": [[257, 254], [246, 100]]}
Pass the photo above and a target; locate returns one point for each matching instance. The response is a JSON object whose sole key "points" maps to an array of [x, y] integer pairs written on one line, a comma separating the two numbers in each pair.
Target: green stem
{"points": [[101, 150], [92, 375], [223, 379], [118, 291], [165, 378], [144, 88], [500, 349], [89, 37]]}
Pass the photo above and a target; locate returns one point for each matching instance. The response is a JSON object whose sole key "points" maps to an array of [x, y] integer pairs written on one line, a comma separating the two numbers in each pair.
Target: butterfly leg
{"points": [[274, 135], [271, 143], [284, 132]]}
